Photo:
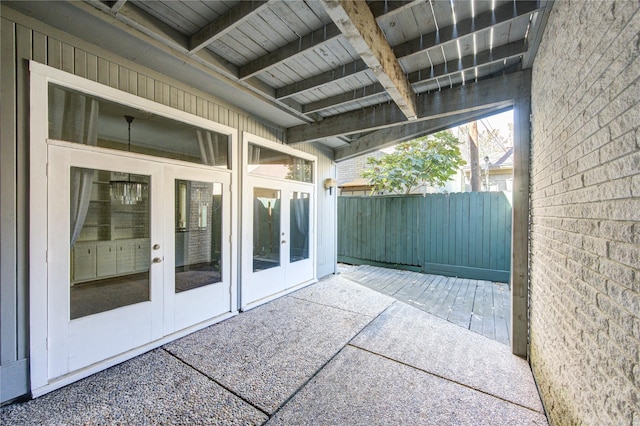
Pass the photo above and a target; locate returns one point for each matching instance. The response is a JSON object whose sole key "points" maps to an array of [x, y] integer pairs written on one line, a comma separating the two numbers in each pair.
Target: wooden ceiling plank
{"points": [[381, 8], [117, 5], [358, 25], [466, 64], [308, 41], [536, 31], [470, 97], [344, 98], [133, 20], [338, 73], [469, 62], [390, 136], [225, 23], [412, 47], [465, 27]]}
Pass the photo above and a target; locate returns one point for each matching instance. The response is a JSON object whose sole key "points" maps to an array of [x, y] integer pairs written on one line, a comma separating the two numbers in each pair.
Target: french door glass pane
{"points": [[80, 118], [275, 164], [198, 215], [299, 232], [109, 240], [266, 228]]}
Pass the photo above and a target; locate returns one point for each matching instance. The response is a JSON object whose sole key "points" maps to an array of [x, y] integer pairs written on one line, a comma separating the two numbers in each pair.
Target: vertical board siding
{"points": [[463, 234], [18, 45]]}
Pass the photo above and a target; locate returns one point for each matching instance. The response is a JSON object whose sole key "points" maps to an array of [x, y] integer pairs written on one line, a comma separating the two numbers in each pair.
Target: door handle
{"points": [[283, 241], [157, 260]]}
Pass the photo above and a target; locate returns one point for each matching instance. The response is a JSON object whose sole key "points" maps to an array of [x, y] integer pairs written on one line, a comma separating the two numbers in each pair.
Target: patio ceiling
{"points": [[351, 75]]}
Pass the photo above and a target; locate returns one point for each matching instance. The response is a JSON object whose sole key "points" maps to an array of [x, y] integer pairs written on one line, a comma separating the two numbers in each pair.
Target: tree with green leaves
{"points": [[429, 160]]}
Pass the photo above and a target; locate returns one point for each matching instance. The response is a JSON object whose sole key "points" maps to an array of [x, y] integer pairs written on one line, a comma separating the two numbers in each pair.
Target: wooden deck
{"points": [[480, 306]]}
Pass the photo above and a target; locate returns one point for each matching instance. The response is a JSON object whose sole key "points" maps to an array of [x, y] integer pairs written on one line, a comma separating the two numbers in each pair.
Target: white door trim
{"points": [[246, 246], [40, 77]]}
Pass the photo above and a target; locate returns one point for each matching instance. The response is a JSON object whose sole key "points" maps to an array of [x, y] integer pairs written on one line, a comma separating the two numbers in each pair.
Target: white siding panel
{"points": [[19, 44]]}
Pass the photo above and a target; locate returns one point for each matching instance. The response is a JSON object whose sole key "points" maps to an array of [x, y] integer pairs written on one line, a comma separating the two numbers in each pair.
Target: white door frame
{"points": [[40, 76], [246, 248], [75, 344], [190, 307]]}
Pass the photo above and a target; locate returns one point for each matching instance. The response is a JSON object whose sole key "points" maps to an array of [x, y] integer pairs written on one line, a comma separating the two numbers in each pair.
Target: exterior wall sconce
{"points": [[329, 183]]}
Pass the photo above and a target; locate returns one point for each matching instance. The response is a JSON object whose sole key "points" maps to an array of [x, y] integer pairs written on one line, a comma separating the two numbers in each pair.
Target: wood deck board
{"points": [[480, 306]]}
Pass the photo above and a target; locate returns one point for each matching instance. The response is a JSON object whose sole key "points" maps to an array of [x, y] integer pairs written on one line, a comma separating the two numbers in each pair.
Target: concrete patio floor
{"points": [[332, 353]]}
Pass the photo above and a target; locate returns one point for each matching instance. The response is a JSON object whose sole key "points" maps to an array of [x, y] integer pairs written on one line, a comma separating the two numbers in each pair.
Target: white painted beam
{"points": [[470, 97], [358, 25], [225, 23]]}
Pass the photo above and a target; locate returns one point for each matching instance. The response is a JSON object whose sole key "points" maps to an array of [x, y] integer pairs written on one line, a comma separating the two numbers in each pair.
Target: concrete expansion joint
{"points": [[222, 385], [318, 370], [444, 378], [328, 306]]}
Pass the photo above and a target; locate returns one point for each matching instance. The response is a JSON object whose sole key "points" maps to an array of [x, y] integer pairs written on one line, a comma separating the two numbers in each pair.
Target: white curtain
{"points": [[75, 119], [208, 149], [254, 154]]}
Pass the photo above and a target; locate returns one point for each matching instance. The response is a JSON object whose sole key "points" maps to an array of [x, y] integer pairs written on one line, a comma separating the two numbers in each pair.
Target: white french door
{"points": [[279, 244], [137, 250], [197, 259]]}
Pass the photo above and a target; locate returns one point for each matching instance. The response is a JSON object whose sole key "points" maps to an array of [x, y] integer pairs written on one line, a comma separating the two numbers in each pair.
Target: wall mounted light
{"points": [[329, 183]]}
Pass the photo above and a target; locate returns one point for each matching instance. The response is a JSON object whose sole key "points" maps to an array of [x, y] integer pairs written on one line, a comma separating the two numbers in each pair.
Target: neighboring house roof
{"points": [[359, 184], [497, 161]]}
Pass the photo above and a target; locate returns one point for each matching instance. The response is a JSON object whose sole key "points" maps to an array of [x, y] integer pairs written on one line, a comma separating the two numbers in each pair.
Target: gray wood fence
{"points": [[462, 234]]}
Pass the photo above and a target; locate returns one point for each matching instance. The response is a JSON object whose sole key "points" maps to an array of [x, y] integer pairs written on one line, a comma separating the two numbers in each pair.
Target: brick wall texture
{"points": [[351, 169], [585, 214]]}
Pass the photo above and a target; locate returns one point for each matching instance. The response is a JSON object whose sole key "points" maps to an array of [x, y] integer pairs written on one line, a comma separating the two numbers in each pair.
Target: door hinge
{"points": [[230, 238]]}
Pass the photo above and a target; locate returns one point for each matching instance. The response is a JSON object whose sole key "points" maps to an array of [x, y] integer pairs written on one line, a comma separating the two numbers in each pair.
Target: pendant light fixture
{"points": [[123, 190]]}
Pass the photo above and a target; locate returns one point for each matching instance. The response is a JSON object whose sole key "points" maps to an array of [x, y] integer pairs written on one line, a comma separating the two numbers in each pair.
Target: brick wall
{"points": [[585, 212], [350, 170]]}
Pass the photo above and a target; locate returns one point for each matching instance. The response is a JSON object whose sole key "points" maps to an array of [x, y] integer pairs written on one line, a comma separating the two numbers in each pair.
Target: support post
{"points": [[520, 228]]}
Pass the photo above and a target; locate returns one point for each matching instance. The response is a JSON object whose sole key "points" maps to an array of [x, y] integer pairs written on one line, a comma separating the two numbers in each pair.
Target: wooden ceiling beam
{"points": [[536, 30], [380, 8], [117, 5], [335, 74], [359, 26], [225, 23], [390, 136], [419, 45], [470, 97], [360, 94], [480, 22], [470, 62], [169, 40], [466, 64], [278, 56]]}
